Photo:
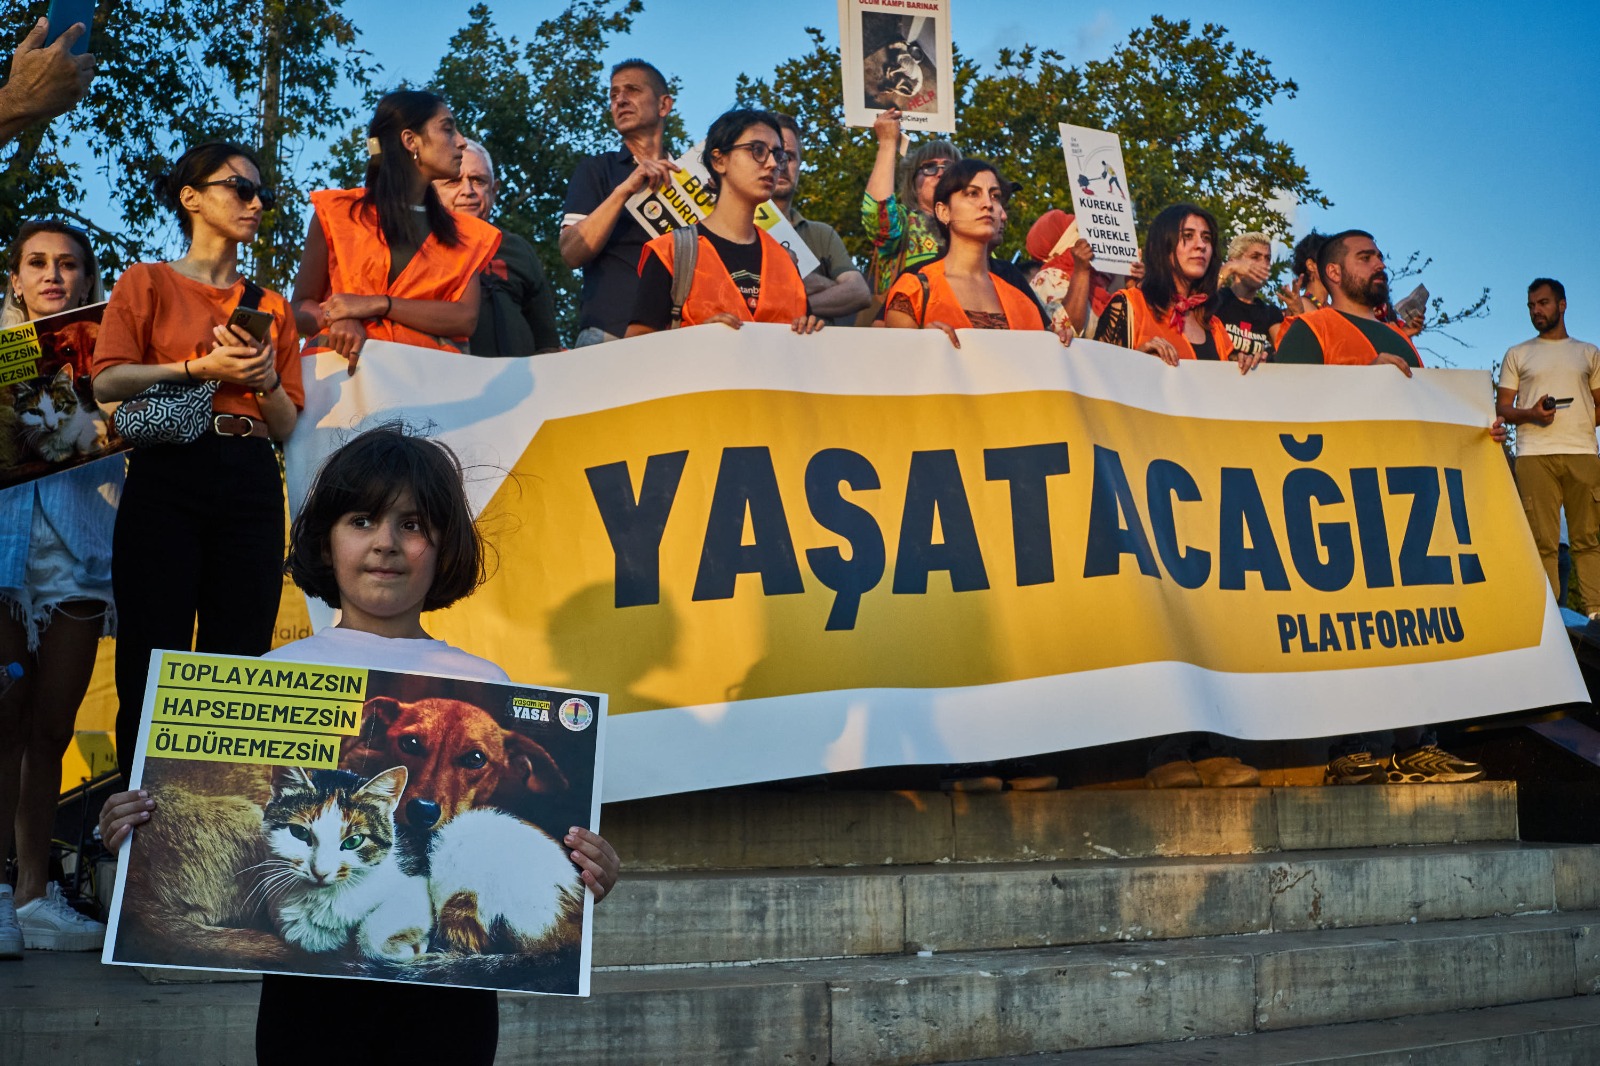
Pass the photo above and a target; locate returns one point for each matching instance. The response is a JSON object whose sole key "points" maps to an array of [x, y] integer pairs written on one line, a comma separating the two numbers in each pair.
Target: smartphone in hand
{"points": [[250, 320], [65, 14]]}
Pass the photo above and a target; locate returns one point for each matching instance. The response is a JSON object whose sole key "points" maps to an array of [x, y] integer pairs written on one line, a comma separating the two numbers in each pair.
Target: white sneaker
{"points": [[10, 931], [50, 924]]}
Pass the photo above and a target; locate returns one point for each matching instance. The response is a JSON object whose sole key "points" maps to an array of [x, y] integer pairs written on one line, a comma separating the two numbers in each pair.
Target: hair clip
{"points": [[373, 147]]}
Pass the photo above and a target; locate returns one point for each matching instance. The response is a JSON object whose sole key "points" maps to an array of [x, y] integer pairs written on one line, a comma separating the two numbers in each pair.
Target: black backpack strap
{"points": [[685, 257], [253, 295], [922, 317]]}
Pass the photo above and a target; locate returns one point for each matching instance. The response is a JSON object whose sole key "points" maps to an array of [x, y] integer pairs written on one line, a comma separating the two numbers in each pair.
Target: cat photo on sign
{"points": [[48, 417], [421, 843]]}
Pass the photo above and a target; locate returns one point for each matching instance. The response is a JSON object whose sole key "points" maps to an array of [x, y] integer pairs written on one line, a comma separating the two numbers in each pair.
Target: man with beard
{"points": [[1347, 331], [1558, 462], [836, 289], [598, 234]]}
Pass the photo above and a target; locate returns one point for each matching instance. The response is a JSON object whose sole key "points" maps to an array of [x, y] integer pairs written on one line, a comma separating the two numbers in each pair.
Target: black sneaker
{"points": [[1355, 768], [1431, 764]]}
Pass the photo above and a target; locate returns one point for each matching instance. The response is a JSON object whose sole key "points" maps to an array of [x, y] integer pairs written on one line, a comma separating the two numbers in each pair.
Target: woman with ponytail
{"points": [[389, 261]]}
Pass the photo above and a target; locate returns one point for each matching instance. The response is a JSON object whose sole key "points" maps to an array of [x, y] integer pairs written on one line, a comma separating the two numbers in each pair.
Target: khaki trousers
{"points": [[1548, 483]]}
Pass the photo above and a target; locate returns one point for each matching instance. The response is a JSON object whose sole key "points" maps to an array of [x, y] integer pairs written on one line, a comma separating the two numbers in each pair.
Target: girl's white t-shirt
{"points": [[349, 647]]}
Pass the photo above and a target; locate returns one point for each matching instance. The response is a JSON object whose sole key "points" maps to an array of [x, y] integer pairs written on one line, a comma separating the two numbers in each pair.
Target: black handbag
{"points": [[172, 412]]}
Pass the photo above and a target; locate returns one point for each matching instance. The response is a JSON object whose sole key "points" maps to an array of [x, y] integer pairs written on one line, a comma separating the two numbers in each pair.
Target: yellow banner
{"points": [[785, 555]]}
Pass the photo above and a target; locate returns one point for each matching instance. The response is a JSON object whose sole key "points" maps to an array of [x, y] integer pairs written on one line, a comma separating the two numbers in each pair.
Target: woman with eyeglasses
{"points": [[199, 533], [1167, 314], [55, 605], [389, 261], [898, 216], [959, 290], [740, 274]]}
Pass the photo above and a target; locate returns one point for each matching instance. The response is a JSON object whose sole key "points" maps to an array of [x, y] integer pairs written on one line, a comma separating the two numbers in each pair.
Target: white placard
{"points": [[898, 53], [1100, 195]]}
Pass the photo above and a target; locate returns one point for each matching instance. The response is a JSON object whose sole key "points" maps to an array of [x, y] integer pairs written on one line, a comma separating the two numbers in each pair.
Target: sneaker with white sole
{"points": [[50, 924], [1431, 764], [10, 931]]}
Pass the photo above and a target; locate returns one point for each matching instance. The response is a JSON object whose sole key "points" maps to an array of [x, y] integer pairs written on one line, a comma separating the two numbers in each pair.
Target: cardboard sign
{"points": [[898, 53], [343, 822], [687, 198], [1100, 196]]}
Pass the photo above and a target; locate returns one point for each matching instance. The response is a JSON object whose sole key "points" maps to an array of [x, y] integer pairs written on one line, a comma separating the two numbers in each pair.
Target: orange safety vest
{"points": [[1343, 343], [1143, 325], [783, 293], [1020, 310], [358, 262]]}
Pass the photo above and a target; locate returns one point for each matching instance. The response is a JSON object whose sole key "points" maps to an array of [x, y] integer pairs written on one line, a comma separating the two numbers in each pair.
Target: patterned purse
{"points": [[166, 413], [173, 412]]}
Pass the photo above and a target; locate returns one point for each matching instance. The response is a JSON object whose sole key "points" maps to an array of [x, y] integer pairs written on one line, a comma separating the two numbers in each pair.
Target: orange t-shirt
{"points": [[156, 315]]}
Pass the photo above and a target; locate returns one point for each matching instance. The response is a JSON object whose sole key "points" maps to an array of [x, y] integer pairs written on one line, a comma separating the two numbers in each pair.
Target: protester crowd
{"points": [[413, 256]]}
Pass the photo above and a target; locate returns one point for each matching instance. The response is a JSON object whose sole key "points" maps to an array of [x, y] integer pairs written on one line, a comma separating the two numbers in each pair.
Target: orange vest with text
{"points": [[1020, 311], [358, 262], [782, 297], [1143, 324], [1342, 341]]}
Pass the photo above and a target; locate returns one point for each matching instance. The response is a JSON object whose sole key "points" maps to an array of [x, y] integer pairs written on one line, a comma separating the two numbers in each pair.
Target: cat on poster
{"points": [[48, 418], [898, 53]]}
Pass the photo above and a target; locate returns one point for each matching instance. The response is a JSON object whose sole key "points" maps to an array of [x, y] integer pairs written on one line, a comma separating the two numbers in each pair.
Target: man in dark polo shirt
{"points": [[1347, 330], [598, 234], [1248, 318]]}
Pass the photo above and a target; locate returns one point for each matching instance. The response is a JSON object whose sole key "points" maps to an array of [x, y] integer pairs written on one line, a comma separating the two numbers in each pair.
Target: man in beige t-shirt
{"points": [[1557, 379]]}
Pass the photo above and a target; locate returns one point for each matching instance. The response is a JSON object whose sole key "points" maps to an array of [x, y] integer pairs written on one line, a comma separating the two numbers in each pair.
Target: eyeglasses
{"points": [[934, 169], [245, 189], [759, 150]]}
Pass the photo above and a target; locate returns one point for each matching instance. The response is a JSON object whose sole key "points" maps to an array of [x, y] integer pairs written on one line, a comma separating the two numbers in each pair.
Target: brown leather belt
{"points": [[239, 426]]}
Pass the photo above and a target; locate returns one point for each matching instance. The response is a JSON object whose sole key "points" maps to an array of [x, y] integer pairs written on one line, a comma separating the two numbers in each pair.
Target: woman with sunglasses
{"points": [[199, 533], [55, 605], [898, 217], [389, 261], [740, 273], [1168, 313], [959, 290]]}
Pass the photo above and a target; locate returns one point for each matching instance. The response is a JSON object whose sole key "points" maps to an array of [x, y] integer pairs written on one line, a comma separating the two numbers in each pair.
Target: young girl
{"points": [[198, 545], [389, 261], [742, 275], [385, 534]]}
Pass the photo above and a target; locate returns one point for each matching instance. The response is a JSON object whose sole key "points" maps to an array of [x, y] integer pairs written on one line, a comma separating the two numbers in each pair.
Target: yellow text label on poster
{"points": [[258, 746], [236, 711], [741, 544], [19, 353], [294, 680]]}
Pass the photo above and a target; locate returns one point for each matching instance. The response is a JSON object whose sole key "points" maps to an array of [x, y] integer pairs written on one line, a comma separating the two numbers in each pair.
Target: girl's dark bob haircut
{"points": [[725, 133], [366, 476]]}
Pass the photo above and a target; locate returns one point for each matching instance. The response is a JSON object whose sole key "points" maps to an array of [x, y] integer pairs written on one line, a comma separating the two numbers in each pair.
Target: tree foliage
{"points": [[539, 108], [173, 73], [1187, 105]]}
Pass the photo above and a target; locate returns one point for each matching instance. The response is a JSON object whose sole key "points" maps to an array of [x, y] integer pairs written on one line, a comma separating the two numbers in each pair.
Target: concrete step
{"points": [[771, 829], [1557, 1032], [657, 919], [901, 1011]]}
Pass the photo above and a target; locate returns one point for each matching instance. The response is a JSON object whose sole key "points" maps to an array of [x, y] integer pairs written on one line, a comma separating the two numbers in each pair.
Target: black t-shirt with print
{"points": [[653, 305], [1248, 322]]}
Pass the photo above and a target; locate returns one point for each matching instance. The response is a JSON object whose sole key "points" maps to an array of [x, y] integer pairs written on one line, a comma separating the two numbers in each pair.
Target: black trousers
{"points": [[374, 1023], [198, 539]]}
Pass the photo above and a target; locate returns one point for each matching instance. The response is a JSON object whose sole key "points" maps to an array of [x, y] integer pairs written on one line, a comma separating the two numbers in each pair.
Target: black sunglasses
{"points": [[245, 189]]}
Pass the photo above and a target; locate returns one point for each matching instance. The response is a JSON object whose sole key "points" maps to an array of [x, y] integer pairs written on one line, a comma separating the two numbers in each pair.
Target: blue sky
{"points": [[1465, 131]]}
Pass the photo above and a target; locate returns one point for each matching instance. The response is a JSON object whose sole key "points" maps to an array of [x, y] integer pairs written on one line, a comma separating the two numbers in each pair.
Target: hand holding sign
{"points": [[1104, 210]]}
